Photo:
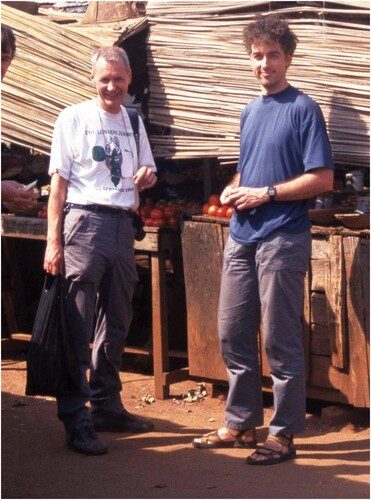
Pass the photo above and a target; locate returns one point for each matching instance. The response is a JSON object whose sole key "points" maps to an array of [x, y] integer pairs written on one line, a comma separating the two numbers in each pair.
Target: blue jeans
{"points": [[263, 286], [101, 271]]}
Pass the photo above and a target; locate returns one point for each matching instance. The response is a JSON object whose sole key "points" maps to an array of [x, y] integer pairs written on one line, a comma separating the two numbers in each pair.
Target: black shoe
{"points": [[85, 440], [124, 422]]}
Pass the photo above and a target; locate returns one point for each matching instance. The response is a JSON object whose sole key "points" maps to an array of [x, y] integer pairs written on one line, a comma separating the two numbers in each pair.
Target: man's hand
{"points": [[145, 178], [12, 192], [245, 197], [53, 261]]}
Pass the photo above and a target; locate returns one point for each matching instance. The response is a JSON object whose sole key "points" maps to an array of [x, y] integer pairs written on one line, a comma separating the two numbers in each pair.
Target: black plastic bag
{"points": [[138, 226], [52, 365]]}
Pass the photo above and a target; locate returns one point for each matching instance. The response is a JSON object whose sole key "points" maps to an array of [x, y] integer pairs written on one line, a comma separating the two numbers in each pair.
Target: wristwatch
{"points": [[272, 191]]}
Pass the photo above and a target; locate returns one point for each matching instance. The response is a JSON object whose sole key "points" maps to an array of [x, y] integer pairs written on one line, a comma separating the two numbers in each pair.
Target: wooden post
{"points": [[336, 297], [159, 323]]}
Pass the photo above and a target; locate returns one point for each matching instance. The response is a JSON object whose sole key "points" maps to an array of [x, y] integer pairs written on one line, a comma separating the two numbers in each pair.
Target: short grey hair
{"points": [[110, 54]]}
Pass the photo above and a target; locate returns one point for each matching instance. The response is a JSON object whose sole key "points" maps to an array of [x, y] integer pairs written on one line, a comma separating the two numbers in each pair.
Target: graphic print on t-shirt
{"points": [[112, 154], [114, 159]]}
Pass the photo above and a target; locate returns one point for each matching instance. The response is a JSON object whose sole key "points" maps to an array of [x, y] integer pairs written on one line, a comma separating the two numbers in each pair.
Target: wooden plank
{"points": [[321, 248], [202, 259], [175, 376], [320, 275], [336, 310], [358, 338], [156, 239], [23, 227], [320, 340], [323, 374], [319, 308], [365, 266], [325, 394]]}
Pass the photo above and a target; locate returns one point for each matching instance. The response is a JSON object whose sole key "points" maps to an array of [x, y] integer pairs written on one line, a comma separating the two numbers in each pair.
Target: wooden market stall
{"points": [[335, 315]]}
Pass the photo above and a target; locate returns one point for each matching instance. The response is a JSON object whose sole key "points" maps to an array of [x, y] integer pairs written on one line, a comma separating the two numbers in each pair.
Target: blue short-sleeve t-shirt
{"points": [[282, 136]]}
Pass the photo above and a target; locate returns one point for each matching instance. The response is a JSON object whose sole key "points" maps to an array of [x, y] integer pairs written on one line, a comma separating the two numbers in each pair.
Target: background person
{"points": [[12, 191], [285, 159], [90, 241]]}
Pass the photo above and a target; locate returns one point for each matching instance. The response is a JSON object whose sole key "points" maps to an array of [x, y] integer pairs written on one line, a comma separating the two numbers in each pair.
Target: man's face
{"points": [[6, 59], [112, 80], [269, 64]]}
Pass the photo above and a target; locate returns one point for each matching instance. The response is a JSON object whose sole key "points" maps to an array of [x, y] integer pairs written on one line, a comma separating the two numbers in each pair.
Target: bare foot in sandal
{"points": [[275, 450], [227, 438]]}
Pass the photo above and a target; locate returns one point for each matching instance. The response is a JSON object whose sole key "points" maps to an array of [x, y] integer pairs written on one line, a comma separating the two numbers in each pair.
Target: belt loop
{"points": [[67, 208]]}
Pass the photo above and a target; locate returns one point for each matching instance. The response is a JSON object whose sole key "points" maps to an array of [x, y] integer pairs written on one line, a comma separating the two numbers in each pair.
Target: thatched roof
{"points": [[200, 76], [50, 71]]}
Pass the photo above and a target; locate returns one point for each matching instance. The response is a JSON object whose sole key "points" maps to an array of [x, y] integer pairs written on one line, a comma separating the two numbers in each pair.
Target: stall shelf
{"points": [[335, 311], [157, 243]]}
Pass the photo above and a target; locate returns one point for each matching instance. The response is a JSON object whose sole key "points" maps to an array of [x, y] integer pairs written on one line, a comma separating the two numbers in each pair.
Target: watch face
{"points": [[272, 191]]}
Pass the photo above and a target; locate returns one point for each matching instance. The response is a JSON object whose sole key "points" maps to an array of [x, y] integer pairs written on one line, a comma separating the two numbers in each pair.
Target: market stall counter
{"points": [[157, 243]]}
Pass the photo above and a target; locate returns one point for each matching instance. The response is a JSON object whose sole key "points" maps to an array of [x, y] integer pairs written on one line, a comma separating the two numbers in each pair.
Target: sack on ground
{"points": [[52, 365]]}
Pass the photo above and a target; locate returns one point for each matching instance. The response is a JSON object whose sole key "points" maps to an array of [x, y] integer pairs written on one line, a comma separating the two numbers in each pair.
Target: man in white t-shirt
{"points": [[96, 175]]}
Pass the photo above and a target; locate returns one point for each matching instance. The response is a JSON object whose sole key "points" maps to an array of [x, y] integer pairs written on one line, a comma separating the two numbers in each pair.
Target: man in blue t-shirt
{"points": [[285, 159]]}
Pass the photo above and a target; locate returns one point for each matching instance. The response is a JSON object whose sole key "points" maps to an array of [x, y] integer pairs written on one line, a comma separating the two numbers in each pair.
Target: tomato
{"points": [[215, 200], [230, 212], [170, 211], [172, 221], [161, 205], [145, 212], [157, 213], [205, 208], [148, 222], [212, 210], [221, 212], [158, 222]]}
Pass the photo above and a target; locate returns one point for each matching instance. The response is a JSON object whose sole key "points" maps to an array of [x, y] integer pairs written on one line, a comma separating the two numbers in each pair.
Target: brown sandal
{"points": [[272, 453], [240, 440]]}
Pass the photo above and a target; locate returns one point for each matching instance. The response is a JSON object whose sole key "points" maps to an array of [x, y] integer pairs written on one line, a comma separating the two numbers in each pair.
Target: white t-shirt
{"points": [[96, 152]]}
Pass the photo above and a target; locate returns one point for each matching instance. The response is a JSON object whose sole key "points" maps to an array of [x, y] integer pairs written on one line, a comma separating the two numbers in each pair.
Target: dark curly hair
{"points": [[270, 28]]}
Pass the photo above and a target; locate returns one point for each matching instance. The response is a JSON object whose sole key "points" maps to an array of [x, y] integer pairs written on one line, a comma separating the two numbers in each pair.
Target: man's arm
{"points": [[302, 187], [53, 262]]}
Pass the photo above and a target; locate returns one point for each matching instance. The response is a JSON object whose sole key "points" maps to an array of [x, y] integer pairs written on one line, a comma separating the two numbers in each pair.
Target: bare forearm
{"points": [[299, 188], [305, 186], [53, 262], [58, 193]]}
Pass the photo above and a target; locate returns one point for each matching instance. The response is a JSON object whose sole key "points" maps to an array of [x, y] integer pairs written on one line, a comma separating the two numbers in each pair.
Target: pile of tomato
{"points": [[165, 212], [43, 212], [216, 209]]}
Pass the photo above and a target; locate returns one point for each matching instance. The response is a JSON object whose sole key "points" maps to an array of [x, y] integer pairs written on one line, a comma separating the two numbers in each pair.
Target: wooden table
{"points": [[156, 243]]}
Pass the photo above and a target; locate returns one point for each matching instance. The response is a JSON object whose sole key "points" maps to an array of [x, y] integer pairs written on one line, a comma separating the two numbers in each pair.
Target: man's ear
{"points": [[288, 60]]}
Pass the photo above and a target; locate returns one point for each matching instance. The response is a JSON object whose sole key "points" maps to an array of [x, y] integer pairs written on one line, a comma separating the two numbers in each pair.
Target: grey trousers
{"points": [[264, 283], [101, 273]]}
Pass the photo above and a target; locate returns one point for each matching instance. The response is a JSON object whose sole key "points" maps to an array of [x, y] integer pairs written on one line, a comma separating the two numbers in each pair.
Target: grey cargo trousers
{"points": [[101, 271], [263, 286]]}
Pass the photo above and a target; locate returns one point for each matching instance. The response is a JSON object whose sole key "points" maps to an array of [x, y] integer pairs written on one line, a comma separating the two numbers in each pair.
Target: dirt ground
{"points": [[332, 461]]}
